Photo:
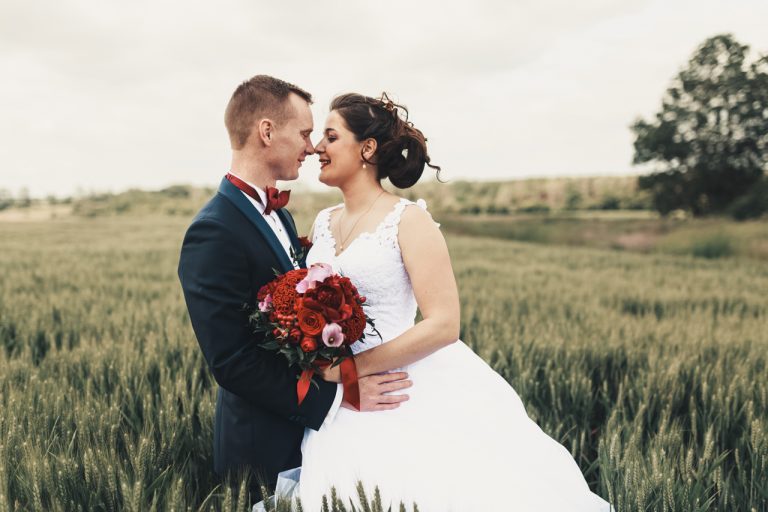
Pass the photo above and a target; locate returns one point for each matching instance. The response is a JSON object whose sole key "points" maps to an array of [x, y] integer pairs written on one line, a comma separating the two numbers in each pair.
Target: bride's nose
{"points": [[320, 147]]}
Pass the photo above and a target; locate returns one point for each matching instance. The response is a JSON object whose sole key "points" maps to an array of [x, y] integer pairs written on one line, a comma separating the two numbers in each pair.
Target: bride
{"points": [[462, 440]]}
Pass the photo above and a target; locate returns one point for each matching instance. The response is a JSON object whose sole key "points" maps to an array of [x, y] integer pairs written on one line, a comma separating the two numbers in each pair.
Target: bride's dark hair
{"points": [[401, 151]]}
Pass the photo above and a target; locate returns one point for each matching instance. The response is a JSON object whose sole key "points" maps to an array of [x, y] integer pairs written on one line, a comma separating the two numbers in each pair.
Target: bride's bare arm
{"points": [[426, 259]]}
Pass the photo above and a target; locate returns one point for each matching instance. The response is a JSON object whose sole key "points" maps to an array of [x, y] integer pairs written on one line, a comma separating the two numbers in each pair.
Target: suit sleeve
{"points": [[214, 275]]}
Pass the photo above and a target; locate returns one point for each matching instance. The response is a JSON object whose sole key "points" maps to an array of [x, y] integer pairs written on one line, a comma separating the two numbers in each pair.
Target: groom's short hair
{"points": [[261, 96]]}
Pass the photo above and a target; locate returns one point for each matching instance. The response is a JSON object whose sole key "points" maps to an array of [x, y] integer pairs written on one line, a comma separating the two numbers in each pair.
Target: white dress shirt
{"points": [[272, 219], [282, 234]]}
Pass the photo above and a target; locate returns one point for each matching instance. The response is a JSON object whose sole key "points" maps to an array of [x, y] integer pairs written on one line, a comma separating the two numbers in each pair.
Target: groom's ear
{"points": [[265, 129]]}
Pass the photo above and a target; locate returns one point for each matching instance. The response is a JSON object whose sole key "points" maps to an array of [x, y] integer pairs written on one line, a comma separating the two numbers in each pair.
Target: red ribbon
{"points": [[349, 381], [275, 198], [302, 387]]}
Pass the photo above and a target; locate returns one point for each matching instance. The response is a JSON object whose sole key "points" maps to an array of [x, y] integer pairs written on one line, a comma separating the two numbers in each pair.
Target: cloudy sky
{"points": [[101, 95]]}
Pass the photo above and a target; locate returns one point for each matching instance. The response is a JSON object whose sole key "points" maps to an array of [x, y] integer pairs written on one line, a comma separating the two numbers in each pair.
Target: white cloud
{"points": [[101, 95]]}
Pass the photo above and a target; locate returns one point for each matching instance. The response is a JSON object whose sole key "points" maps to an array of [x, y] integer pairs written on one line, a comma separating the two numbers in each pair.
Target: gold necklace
{"points": [[344, 239]]}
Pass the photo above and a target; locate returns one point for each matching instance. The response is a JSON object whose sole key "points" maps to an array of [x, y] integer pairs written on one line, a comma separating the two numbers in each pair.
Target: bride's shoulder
{"points": [[326, 212], [415, 214], [414, 226], [418, 234]]}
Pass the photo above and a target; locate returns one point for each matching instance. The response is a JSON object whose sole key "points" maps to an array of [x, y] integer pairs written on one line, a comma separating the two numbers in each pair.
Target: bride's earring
{"points": [[364, 166]]}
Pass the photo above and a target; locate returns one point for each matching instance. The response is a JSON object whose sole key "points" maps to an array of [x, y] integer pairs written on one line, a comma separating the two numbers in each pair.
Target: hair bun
{"points": [[403, 159]]}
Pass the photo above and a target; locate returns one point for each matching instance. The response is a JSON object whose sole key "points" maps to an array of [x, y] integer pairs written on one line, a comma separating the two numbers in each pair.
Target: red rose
{"points": [[330, 295], [308, 344], [351, 295], [334, 297], [305, 243], [311, 322]]}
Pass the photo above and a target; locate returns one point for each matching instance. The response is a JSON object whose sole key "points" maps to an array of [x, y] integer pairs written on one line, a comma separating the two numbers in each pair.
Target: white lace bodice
{"points": [[374, 263]]}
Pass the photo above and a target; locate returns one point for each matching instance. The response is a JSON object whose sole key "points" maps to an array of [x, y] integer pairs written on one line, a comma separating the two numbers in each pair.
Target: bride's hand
{"points": [[331, 374]]}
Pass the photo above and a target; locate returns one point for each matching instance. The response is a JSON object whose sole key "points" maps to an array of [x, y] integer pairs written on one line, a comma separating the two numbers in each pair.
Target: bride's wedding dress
{"points": [[463, 442]]}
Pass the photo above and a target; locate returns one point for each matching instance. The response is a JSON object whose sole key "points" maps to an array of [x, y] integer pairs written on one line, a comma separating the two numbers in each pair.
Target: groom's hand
{"points": [[375, 389]]}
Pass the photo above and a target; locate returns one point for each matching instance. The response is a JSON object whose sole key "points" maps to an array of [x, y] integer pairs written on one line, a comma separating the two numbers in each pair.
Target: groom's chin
{"points": [[291, 175]]}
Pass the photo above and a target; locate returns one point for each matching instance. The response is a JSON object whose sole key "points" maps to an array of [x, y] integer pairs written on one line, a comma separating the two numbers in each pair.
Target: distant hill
{"points": [[533, 195], [465, 197]]}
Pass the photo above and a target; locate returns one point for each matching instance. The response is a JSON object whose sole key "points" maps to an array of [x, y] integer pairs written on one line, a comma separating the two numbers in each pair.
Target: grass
{"points": [[650, 368]]}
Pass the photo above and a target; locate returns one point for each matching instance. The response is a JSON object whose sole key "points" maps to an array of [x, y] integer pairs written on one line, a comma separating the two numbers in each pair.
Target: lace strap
{"points": [[322, 225], [388, 229], [393, 218]]}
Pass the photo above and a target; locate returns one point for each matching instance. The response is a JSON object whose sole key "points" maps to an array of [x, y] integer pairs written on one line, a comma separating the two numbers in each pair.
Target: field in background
{"points": [[649, 367], [621, 230], [607, 213]]}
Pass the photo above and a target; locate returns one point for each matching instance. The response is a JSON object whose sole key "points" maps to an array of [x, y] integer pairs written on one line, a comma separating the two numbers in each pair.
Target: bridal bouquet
{"points": [[312, 316]]}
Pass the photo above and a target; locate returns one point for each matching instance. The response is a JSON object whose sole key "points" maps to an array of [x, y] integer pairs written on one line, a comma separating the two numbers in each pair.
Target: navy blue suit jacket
{"points": [[229, 252]]}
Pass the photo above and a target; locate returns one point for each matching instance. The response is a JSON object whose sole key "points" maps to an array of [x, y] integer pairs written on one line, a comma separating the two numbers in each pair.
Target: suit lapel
{"points": [[233, 194]]}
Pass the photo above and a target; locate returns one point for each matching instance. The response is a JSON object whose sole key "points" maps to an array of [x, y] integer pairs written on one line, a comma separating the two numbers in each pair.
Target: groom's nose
{"points": [[309, 148]]}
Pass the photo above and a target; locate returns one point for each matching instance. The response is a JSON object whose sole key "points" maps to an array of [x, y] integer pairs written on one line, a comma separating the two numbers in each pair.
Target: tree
{"points": [[24, 201], [710, 139], [6, 199], [572, 198], [753, 204]]}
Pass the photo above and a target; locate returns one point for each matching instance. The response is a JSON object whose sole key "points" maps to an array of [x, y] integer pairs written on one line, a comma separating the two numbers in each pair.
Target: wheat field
{"points": [[650, 369]]}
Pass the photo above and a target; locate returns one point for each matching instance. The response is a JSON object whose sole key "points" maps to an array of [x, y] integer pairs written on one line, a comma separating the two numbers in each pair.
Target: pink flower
{"points": [[266, 304], [317, 273], [332, 335]]}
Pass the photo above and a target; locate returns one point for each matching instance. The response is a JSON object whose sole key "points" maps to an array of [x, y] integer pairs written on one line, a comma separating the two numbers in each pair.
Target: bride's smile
{"points": [[339, 151]]}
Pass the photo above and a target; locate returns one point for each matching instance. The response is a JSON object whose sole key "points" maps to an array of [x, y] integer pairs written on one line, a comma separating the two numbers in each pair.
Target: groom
{"points": [[229, 252]]}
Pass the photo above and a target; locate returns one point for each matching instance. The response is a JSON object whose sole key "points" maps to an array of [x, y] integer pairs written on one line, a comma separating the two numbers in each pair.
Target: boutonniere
{"points": [[305, 244]]}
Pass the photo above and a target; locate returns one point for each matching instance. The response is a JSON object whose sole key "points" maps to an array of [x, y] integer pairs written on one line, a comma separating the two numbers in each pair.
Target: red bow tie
{"points": [[275, 198]]}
